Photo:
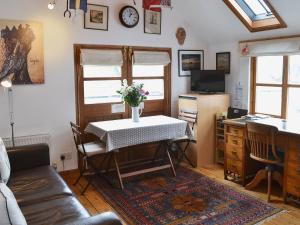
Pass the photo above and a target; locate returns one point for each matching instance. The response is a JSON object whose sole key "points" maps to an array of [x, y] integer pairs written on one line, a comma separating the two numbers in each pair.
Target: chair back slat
{"points": [[188, 116], [261, 141], [78, 136]]}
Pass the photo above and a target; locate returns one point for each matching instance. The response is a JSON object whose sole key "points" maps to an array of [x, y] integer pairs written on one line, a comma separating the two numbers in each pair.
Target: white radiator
{"points": [[28, 140]]}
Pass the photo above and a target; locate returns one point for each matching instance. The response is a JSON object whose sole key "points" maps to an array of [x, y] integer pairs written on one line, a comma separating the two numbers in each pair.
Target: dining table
{"points": [[123, 133]]}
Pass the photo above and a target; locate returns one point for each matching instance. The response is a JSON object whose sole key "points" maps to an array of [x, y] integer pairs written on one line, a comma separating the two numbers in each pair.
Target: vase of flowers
{"points": [[134, 95]]}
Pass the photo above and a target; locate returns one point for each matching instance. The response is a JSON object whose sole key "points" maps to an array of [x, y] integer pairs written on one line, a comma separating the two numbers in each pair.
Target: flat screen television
{"points": [[208, 81]]}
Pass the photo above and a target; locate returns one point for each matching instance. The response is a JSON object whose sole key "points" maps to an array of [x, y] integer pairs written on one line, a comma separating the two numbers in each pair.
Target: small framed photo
{"points": [[223, 62], [152, 22], [189, 60], [96, 17]]}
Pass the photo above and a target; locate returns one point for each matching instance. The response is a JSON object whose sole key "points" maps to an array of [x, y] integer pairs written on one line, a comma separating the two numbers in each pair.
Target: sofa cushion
{"points": [[57, 211], [10, 213], [37, 185], [4, 163]]}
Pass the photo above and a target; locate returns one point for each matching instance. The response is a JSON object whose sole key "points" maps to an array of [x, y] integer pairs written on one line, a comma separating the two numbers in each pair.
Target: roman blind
{"points": [[151, 58], [93, 57], [287, 46]]}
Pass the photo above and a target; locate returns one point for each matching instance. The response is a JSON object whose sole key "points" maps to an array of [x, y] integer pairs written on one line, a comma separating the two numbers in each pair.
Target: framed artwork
{"points": [[152, 22], [96, 17], [21, 51], [190, 60], [223, 61]]}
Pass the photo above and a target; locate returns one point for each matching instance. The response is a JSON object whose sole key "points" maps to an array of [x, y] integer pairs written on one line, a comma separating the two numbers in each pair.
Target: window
{"points": [[99, 71], [276, 86], [256, 15]]}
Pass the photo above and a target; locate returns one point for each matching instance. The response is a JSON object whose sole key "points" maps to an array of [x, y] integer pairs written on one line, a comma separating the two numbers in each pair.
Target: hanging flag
{"points": [[78, 4], [155, 5]]}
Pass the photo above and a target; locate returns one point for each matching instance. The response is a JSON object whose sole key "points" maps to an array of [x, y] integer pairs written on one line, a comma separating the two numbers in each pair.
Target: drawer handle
{"points": [[236, 131], [234, 153], [235, 142]]}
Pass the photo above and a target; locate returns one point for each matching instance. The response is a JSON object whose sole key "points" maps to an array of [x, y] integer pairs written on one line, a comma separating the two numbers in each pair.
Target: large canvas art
{"points": [[21, 51]]}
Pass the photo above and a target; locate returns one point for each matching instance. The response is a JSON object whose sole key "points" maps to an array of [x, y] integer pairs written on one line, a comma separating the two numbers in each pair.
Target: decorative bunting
{"points": [[156, 5], [78, 4]]}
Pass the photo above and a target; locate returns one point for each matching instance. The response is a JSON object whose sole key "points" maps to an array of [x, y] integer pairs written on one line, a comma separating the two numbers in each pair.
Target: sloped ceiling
{"points": [[213, 22]]}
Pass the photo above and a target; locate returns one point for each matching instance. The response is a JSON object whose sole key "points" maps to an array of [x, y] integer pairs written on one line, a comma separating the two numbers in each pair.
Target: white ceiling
{"points": [[214, 22]]}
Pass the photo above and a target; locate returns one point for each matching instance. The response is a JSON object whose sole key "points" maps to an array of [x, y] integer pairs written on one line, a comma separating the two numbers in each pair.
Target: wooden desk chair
{"points": [[191, 118], [88, 151], [261, 142]]}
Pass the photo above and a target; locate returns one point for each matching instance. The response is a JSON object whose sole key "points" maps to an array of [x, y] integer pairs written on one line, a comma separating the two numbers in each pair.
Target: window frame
{"points": [[285, 87], [255, 24], [88, 112]]}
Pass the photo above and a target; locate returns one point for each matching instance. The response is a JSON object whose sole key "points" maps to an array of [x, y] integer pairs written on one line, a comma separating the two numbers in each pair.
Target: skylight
{"points": [[255, 9], [257, 15], [258, 7]]}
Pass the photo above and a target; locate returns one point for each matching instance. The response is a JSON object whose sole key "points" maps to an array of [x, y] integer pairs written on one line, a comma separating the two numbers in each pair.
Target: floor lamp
{"points": [[6, 83]]}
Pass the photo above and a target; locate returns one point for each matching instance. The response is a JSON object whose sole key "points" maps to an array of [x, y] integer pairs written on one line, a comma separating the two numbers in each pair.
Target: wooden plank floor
{"points": [[94, 202]]}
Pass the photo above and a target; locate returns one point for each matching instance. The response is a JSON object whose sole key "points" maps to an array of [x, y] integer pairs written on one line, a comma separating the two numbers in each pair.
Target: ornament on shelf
{"points": [[245, 50]]}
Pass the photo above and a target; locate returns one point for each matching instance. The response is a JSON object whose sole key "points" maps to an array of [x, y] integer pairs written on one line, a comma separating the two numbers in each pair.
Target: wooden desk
{"points": [[239, 166]]}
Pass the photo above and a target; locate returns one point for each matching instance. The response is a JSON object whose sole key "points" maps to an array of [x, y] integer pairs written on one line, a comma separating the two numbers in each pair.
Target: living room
{"points": [[187, 62]]}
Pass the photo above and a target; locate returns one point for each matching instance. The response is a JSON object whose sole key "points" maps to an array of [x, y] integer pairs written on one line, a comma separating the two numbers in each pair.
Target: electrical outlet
{"points": [[67, 155]]}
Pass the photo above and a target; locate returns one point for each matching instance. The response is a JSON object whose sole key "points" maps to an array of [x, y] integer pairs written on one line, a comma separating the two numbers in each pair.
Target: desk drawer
{"points": [[294, 143], [293, 169], [234, 152], [234, 166], [293, 186], [235, 141], [239, 132], [294, 154]]}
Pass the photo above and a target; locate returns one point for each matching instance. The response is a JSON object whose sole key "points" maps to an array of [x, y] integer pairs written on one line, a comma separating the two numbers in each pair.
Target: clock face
{"points": [[129, 16]]}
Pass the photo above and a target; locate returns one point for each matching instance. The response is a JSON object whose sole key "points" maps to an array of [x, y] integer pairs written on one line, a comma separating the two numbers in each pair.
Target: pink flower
{"points": [[147, 93], [142, 92]]}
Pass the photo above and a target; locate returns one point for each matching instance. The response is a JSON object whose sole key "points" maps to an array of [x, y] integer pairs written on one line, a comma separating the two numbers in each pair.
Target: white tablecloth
{"points": [[123, 133]]}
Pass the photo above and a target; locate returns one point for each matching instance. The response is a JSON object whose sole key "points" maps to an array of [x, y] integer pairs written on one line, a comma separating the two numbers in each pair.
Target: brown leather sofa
{"points": [[43, 196]]}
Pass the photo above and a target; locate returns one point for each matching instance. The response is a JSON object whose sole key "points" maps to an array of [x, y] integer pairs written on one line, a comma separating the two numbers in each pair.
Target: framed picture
{"points": [[22, 51], [152, 22], [96, 17], [190, 60], [223, 61]]}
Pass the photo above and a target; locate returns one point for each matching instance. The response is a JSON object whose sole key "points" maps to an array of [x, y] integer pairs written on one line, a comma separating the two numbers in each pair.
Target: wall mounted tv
{"points": [[208, 81]]}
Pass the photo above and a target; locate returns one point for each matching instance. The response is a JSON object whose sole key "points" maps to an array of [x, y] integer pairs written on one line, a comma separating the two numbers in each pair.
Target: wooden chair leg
{"points": [[118, 170], [81, 172], [261, 175], [278, 177], [269, 184]]}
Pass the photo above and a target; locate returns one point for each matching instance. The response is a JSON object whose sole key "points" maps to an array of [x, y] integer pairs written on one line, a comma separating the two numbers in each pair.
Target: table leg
{"points": [[171, 163], [118, 170]]}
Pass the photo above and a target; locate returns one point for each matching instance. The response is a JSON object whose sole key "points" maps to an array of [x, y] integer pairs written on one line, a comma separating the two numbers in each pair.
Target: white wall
{"points": [[239, 75], [48, 108]]}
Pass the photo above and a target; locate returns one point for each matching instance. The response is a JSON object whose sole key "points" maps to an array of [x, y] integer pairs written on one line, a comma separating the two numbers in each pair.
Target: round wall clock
{"points": [[129, 16]]}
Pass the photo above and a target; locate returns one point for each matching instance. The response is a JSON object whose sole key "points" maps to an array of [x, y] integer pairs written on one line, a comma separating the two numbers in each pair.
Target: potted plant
{"points": [[134, 95]]}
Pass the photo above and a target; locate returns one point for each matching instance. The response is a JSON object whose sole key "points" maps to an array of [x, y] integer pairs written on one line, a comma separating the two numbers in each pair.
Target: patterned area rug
{"points": [[190, 198]]}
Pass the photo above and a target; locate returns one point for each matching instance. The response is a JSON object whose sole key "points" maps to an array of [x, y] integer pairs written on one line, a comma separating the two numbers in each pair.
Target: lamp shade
{"points": [[6, 83]]}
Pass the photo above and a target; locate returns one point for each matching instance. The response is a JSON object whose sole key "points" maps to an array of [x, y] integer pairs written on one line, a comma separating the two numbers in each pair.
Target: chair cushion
{"points": [[4, 163], [93, 148], [10, 212], [57, 211], [37, 185]]}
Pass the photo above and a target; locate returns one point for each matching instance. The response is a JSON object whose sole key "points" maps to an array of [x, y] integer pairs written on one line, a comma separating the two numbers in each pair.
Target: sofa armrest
{"points": [[28, 157], [107, 218]]}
